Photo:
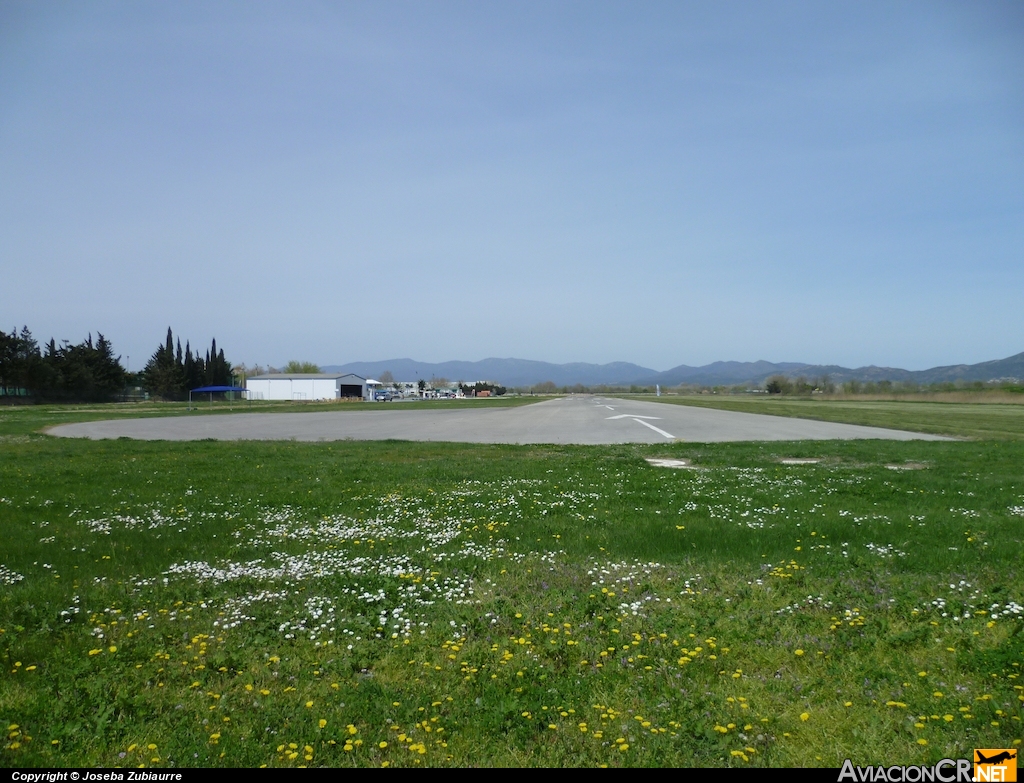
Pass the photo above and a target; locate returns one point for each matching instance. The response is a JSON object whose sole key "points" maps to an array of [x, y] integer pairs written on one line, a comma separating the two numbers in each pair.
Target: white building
{"points": [[309, 386]]}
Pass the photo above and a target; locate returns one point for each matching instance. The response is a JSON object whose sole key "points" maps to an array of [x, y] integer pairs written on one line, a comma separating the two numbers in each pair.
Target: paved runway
{"points": [[582, 420]]}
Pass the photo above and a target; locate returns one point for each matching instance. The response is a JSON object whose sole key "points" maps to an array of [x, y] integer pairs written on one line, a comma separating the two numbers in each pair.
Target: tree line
{"points": [[90, 372], [784, 385], [170, 374], [86, 372]]}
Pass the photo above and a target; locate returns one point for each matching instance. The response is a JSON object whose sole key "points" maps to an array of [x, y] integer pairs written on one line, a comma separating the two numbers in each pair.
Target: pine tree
{"points": [[6, 362], [30, 370], [110, 375]]}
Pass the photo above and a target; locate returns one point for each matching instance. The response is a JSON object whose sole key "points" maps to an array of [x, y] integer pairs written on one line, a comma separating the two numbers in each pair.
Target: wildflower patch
{"points": [[418, 605]]}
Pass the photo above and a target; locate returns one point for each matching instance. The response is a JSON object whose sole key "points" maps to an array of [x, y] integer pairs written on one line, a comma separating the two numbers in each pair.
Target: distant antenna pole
{"points": [[657, 389]]}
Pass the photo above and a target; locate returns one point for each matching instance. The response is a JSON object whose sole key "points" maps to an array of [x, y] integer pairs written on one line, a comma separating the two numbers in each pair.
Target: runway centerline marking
{"points": [[632, 416]]}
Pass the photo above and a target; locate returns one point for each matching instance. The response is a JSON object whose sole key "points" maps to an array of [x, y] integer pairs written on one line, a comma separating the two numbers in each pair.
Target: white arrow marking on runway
{"points": [[656, 429], [609, 407], [640, 420]]}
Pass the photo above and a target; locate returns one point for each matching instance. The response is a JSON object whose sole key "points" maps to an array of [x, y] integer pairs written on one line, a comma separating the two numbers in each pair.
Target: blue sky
{"points": [[662, 183]]}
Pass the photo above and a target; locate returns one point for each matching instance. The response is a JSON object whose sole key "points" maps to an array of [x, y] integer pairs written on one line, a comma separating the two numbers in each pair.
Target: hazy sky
{"points": [[663, 183]]}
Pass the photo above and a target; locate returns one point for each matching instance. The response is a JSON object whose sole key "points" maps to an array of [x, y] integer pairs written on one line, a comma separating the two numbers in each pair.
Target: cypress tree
{"points": [[164, 375], [225, 371], [218, 371], [193, 380]]}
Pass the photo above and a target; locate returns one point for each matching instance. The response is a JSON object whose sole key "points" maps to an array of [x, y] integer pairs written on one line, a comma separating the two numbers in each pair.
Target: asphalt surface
{"points": [[581, 420]]}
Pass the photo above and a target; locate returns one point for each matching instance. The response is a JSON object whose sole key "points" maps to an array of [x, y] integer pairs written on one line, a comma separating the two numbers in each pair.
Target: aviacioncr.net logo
{"points": [[945, 771]]}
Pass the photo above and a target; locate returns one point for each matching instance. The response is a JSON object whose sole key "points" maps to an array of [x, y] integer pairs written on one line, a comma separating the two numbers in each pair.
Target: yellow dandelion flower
{"points": [[804, 715]]}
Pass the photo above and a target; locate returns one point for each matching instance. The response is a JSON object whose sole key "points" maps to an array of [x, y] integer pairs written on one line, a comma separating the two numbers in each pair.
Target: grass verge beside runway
{"points": [[417, 604], [965, 420]]}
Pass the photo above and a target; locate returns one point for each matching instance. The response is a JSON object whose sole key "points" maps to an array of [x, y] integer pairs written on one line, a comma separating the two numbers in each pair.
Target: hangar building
{"points": [[308, 386]]}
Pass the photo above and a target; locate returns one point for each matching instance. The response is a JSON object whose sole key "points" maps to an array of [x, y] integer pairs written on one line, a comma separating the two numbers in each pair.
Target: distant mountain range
{"points": [[523, 372]]}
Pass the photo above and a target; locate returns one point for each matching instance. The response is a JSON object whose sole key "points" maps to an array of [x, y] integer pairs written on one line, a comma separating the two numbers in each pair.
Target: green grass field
{"points": [[404, 604]]}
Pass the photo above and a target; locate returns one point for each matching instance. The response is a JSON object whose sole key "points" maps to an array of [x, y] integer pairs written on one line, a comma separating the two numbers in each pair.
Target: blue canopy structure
{"points": [[211, 390]]}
